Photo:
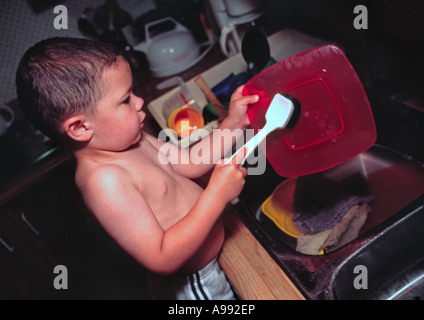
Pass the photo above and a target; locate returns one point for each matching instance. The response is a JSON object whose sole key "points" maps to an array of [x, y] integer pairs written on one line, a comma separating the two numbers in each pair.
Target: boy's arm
{"points": [[125, 214], [195, 161]]}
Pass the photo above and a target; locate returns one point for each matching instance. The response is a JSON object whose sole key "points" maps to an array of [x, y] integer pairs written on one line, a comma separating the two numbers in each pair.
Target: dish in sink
{"points": [[394, 180]]}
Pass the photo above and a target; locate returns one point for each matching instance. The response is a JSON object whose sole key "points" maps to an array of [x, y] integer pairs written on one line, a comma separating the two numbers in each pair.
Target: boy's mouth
{"points": [[142, 121]]}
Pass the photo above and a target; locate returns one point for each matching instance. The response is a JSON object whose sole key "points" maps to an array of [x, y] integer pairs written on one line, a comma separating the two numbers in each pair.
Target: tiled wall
{"points": [[21, 27]]}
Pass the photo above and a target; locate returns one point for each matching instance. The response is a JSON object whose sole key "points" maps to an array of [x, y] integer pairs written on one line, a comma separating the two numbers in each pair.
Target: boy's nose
{"points": [[139, 104]]}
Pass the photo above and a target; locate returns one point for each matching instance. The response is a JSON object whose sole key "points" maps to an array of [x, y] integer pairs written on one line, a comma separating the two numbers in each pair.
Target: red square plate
{"points": [[335, 121]]}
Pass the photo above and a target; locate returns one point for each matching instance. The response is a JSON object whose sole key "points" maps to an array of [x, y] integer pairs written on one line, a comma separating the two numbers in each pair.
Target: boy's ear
{"points": [[76, 128]]}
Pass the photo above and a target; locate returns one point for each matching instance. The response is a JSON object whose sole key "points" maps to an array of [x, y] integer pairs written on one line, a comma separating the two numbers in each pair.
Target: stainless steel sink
{"points": [[390, 246], [391, 249], [391, 266]]}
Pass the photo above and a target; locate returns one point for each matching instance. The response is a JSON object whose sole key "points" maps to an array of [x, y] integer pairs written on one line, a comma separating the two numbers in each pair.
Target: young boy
{"points": [[80, 91]]}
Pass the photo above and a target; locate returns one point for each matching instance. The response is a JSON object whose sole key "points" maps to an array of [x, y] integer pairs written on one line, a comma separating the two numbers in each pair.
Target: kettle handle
{"points": [[227, 47], [178, 26]]}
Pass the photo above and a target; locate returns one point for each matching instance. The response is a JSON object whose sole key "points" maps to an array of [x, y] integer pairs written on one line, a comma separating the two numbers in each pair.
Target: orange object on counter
{"points": [[185, 120]]}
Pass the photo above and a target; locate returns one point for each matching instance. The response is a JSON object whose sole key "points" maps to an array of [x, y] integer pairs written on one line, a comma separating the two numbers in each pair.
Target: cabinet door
{"points": [[51, 226], [47, 227], [24, 267], [12, 286]]}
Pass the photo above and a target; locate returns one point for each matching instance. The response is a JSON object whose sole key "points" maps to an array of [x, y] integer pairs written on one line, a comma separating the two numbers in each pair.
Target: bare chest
{"points": [[169, 195]]}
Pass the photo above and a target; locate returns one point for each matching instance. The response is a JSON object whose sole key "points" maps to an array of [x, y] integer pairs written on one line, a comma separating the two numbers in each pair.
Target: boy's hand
{"points": [[238, 107], [227, 181]]}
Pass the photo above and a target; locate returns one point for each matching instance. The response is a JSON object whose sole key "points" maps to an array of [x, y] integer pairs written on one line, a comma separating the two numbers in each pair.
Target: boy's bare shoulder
{"points": [[106, 177]]}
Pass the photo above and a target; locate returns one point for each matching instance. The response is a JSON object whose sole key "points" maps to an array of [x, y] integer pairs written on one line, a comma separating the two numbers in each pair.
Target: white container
{"points": [[171, 52]]}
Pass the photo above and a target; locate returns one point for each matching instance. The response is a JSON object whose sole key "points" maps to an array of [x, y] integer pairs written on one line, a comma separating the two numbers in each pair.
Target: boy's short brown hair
{"points": [[59, 77]]}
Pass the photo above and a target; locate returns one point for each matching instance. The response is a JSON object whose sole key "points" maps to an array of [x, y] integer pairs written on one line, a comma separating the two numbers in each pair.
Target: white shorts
{"points": [[210, 283]]}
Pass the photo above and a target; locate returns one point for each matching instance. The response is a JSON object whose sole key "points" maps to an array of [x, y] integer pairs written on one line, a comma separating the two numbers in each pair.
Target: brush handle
{"points": [[251, 145]]}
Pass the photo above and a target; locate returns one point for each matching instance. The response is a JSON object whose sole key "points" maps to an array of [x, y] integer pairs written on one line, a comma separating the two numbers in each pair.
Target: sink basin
{"points": [[391, 265], [390, 245]]}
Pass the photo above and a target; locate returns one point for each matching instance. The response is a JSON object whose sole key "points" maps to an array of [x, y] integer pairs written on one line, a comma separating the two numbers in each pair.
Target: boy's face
{"points": [[118, 118]]}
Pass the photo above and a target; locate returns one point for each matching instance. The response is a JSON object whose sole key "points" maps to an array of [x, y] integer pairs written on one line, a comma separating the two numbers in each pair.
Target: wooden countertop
{"points": [[250, 269]]}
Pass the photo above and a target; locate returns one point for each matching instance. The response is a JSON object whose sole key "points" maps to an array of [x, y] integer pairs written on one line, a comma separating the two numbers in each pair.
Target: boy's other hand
{"points": [[238, 107]]}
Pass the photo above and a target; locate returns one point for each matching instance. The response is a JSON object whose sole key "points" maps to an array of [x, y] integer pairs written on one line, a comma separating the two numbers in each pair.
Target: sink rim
{"points": [[375, 234]]}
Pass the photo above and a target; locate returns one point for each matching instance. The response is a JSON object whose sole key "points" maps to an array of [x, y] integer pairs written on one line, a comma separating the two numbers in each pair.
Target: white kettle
{"points": [[172, 51]]}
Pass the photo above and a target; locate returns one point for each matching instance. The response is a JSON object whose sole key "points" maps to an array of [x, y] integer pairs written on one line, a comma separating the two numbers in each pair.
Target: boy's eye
{"points": [[127, 100]]}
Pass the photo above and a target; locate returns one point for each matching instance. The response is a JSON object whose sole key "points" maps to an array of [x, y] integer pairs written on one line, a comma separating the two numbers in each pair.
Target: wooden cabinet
{"points": [[27, 260], [49, 226]]}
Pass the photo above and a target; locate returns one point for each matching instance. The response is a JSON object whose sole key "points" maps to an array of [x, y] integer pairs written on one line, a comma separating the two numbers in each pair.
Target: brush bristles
{"points": [[296, 110]]}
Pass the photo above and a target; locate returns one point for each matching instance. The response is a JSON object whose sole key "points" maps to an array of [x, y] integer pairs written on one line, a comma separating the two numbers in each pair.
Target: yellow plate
{"points": [[279, 207]]}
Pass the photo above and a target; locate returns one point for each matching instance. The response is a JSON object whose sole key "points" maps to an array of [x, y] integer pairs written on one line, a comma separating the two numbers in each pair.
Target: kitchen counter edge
{"points": [[29, 177]]}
